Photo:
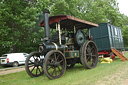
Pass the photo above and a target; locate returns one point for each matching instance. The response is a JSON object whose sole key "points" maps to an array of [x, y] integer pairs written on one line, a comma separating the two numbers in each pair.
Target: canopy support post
{"points": [[59, 33]]}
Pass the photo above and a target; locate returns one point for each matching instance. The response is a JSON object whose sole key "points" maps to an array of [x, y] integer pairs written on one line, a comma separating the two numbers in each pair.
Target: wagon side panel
{"points": [[107, 36], [101, 37], [115, 36]]}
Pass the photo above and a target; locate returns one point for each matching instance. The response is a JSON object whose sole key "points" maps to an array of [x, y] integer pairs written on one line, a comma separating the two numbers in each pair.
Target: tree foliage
{"points": [[97, 11], [18, 18], [19, 31]]}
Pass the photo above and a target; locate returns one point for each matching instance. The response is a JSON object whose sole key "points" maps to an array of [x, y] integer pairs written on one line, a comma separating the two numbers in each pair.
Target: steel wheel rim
{"points": [[55, 65], [34, 65]]}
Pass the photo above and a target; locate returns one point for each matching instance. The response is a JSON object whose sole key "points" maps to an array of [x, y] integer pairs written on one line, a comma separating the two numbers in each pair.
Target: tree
{"points": [[19, 31], [18, 18]]}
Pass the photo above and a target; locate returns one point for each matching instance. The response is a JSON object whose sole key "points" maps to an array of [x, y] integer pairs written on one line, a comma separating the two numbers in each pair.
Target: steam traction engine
{"points": [[68, 46]]}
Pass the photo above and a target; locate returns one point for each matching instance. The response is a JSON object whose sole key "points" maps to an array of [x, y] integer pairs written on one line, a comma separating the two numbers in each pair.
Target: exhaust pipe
{"points": [[46, 24]]}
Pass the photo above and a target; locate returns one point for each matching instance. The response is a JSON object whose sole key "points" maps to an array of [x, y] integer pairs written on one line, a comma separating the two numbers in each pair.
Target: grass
{"points": [[74, 76], [1, 67]]}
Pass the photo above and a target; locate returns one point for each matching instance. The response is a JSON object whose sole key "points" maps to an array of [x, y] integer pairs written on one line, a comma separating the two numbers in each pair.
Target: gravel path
{"points": [[11, 70]]}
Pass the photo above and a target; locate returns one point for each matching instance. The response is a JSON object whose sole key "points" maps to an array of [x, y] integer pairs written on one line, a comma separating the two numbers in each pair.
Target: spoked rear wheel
{"points": [[34, 64], [54, 64], [89, 55]]}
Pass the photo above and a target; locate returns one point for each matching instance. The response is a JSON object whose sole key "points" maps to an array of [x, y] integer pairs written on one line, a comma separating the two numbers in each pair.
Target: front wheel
{"points": [[54, 64], [34, 64]]}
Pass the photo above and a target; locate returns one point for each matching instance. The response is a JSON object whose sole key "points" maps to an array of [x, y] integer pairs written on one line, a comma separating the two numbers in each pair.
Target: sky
{"points": [[123, 6]]}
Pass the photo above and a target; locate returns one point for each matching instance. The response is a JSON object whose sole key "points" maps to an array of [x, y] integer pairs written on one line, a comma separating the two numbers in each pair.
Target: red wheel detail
{"points": [[113, 56]]}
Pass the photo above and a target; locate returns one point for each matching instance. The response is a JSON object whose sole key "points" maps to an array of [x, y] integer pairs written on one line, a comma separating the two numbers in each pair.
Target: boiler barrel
{"points": [[52, 46]]}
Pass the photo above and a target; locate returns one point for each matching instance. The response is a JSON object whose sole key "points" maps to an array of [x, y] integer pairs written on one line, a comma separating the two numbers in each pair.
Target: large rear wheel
{"points": [[34, 64], [54, 64], [89, 55]]}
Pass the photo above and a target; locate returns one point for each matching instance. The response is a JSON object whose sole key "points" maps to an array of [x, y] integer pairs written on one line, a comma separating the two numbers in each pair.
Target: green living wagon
{"points": [[106, 37]]}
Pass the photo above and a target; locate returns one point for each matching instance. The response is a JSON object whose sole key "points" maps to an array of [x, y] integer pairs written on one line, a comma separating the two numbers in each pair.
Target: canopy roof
{"points": [[69, 22]]}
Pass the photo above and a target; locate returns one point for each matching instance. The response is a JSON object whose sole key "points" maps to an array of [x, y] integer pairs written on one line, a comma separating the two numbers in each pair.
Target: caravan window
{"points": [[115, 29]]}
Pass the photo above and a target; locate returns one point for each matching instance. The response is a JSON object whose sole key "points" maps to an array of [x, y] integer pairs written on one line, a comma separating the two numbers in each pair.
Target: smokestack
{"points": [[46, 23]]}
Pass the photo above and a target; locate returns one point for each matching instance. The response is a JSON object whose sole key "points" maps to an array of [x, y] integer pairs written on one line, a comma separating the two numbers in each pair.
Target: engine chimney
{"points": [[46, 23]]}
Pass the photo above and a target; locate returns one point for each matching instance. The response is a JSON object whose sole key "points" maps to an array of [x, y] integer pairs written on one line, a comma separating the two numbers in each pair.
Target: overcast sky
{"points": [[123, 6]]}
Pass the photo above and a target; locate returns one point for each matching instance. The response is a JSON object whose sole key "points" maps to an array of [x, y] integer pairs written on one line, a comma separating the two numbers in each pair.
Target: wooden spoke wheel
{"points": [[54, 64], [34, 64], [89, 55]]}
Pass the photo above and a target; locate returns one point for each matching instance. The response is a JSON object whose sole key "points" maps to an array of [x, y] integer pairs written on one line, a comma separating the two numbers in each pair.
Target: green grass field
{"points": [[74, 76], [1, 67]]}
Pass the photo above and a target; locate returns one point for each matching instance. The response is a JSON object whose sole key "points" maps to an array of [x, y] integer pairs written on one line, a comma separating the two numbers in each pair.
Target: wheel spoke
{"points": [[31, 65], [49, 67], [31, 62], [38, 69], [87, 50], [92, 49], [53, 71], [93, 63], [61, 61], [32, 69], [88, 59], [49, 59], [55, 56], [50, 63], [93, 55], [90, 63], [41, 66], [37, 58], [59, 68], [41, 61], [34, 58], [87, 54]]}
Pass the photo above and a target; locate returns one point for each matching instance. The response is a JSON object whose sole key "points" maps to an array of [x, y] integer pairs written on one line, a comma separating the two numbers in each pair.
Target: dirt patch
{"points": [[4, 72]]}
